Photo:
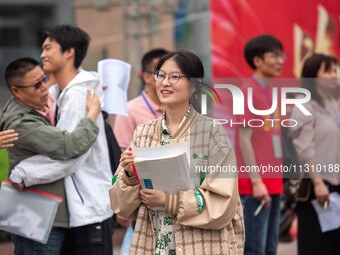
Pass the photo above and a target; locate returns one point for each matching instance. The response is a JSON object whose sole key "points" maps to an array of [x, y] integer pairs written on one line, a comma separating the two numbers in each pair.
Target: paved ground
{"points": [[284, 248], [287, 248], [7, 248]]}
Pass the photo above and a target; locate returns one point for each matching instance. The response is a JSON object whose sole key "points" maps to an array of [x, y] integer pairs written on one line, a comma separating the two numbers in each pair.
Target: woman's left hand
{"points": [[152, 197]]}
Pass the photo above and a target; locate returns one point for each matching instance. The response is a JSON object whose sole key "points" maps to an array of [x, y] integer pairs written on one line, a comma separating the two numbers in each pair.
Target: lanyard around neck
{"points": [[269, 100], [148, 104], [264, 89]]}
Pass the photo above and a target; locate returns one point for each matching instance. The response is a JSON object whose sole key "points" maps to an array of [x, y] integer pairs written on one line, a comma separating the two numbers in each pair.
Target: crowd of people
{"points": [[56, 142]]}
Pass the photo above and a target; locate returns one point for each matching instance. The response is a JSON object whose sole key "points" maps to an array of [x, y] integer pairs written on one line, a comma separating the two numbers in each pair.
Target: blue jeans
{"points": [[262, 231], [25, 246]]}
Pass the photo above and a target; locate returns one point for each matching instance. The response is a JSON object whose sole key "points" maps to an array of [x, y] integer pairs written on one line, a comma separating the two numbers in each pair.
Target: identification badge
{"points": [[277, 146]]}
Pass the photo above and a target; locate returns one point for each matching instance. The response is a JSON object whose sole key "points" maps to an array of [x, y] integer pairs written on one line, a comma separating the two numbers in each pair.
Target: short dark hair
{"points": [[310, 70], [258, 46], [70, 37], [191, 66], [188, 62], [16, 70], [148, 58]]}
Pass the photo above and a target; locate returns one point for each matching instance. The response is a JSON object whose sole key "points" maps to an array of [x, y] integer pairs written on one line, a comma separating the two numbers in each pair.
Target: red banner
{"points": [[303, 27]]}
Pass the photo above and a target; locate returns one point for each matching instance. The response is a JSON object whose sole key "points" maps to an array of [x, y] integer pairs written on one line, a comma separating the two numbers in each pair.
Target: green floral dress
{"points": [[163, 222]]}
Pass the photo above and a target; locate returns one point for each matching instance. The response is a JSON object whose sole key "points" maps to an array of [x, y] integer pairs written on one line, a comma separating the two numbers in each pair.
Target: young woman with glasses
{"points": [[204, 220]]}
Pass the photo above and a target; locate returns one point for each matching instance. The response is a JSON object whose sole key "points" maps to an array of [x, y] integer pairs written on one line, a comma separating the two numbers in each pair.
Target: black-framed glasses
{"points": [[36, 85], [173, 77]]}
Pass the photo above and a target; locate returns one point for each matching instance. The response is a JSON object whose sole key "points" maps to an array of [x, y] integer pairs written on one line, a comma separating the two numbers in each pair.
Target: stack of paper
{"points": [[164, 168]]}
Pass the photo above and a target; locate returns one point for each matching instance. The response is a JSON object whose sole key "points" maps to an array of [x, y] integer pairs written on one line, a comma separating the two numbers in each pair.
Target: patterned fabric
{"points": [[219, 229], [166, 134], [163, 222], [164, 232]]}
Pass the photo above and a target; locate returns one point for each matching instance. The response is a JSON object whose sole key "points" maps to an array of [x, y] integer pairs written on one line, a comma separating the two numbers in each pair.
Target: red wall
{"points": [[234, 22]]}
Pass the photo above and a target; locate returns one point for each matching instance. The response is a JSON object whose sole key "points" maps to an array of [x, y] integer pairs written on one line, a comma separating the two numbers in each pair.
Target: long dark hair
{"points": [[310, 70], [191, 66]]}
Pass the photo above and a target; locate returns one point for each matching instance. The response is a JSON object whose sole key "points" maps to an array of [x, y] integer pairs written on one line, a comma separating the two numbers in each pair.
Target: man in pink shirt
{"points": [[143, 108]]}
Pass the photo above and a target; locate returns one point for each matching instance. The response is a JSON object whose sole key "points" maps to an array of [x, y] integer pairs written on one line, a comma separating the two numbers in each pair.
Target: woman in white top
{"points": [[318, 149], [204, 220]]}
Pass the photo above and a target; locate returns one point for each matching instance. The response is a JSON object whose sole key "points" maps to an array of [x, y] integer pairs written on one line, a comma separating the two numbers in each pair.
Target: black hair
{"points": [[191, 66], [258, 46], [16, 70], [148, 64], [310, 70], [149, 57], [70, 37], [188, 62]]}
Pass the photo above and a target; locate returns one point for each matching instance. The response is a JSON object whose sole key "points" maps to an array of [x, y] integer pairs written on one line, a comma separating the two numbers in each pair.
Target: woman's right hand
{"points": [[126, 161], [93, 105], [321, 191]]}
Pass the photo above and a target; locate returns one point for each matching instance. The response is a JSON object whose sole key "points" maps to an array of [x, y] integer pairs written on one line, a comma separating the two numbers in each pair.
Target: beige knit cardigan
{"points": [[219, 229]]}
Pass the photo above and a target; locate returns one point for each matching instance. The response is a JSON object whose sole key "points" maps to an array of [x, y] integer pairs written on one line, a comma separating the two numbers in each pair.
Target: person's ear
{"points": [[148, 77], [15, 92], [257, 61], [194, 87], [70, 53]]}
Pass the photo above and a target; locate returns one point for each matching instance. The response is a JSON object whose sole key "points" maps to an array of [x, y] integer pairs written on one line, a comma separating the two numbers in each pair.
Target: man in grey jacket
{"points": [[29, 113], [89, 177]]}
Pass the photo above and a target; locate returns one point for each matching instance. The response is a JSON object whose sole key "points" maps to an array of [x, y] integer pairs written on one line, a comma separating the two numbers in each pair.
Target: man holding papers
{"points": [[206, 217]]}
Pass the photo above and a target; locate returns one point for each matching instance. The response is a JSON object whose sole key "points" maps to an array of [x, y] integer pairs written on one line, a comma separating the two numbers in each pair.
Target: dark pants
{"points": [[25, 246], [310, 238], [90, 239], [261, 231]]}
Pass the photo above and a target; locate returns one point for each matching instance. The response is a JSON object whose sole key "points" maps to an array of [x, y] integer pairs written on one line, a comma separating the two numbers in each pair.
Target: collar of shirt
{"points": [[48, 111], [165, 129]]}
